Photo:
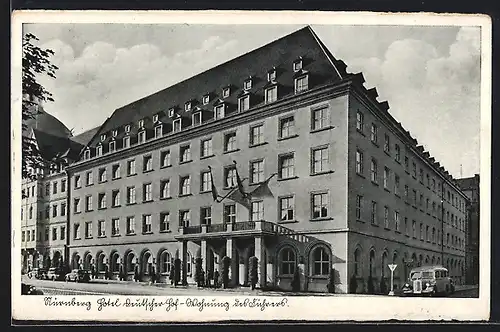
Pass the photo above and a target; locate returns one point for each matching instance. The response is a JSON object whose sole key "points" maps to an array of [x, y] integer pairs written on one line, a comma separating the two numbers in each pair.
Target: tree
{"points": [[177, 271], [353, 284], [226, 262], [296, 281], [199, 273], [254, 276], [35, 62], [331, 281]]}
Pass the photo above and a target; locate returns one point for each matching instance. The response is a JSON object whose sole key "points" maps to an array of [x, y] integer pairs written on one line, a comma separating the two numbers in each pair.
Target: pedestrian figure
{"points": [[216, 278], [136, 273], [172, 275], [207, 281]]}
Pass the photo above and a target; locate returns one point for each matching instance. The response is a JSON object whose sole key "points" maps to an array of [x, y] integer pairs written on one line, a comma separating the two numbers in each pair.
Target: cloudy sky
{"points": [[429, 75]]}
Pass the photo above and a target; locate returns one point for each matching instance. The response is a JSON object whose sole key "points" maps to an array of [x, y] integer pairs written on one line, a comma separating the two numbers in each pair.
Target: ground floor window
{"points": [[321, 261], [288, 261], [165, 261]]}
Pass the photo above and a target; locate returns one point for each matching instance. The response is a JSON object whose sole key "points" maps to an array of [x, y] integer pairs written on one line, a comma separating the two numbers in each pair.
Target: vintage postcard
{"points": [[215, 165]]}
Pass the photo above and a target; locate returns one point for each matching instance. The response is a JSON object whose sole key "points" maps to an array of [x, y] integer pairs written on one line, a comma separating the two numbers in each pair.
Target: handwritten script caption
{"points": [[166, 303]]}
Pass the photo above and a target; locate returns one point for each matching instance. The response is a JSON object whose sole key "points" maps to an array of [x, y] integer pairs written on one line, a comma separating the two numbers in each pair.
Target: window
{"points": [[102, 174], [359, 162], [230, 142], [421, 232], [286, 166], [427, 205], [414, 166], [230, 176], [171, 112], [31, 211], [421, 175], [360, 119], [115, 194], [101, 228], [63, 232], [271, 75], [141, 137], [428, 181], [165, 189], [256, 171], [158, 131], [257, 134], [321, 262], [229, 213], [63, 209], [219, 112], [165, 158], [47, 233], [433, 184], [297, 65], [131, 167], [374, 133], [126, 142], [90, 179], [147, 163], [54, 234], [76, 231], [112, 146], [164, 221], [131, 195], [187, 106], [88, 203], [271, 94], [398, 153], [406, 226], [63, 186], [54, 211], [147, 192], [54, 187], [387, 143], [287, 208], [206, 99], [103, 137], [387, 174], [146, 223], [101, 198], [115, 226], [225, 92], [206, 215], [87, 154], [206, 182], [184, 217], [196, 119], [185, 153], [130, 225], [319, 118], [396, 220], [244, 103], [206, 148], [433, 209], [359, 205], [287, 127], [257, 210], [414, 229], [166, 263], [407, 195], [396, 184], [47, 189], [414, 198], [76, 205], [374, 170], [185, 185], [78, 182], [319, 205], [374, 213], [288, 261], [421, 201], [99, 150], [427, 234], [88, 229], [319, 162], [301, 83], [127, 128], [115, 170], [386, 216]]}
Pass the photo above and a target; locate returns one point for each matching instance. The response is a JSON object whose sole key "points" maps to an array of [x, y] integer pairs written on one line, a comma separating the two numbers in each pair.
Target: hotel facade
{"points": [[341, 185]]}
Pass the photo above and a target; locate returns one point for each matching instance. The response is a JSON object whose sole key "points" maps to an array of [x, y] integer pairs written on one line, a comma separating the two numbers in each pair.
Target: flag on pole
{"points": [[215, 194], [240, 198], [263, 189], [238, 181]]}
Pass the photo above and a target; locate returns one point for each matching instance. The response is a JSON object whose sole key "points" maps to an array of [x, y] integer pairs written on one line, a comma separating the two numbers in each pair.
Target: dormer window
{"points": [[187, 106], [112, 146], [87, 154], [103, 137], [171, 113], [99, 150], [177, 125], [158, 131], [206, 99], [225, 92], [126, 142], [141, 137], [301, 83], [115, 132], [219, 112], [127, 128], [271, 75], [271, 94], [141, 123], [196, 119], [244, 103], [155, 118], [247, 85], [297, 65]]}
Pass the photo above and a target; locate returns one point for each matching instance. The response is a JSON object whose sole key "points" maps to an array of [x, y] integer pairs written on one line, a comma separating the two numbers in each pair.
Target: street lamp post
{"points": [[392, 267]]}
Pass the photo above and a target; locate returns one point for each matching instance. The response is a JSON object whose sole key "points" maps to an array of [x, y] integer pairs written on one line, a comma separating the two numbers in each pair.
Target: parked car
{"points": [[429, 280], [78, 275], [30, 290], [54, 274], [38, 273]]}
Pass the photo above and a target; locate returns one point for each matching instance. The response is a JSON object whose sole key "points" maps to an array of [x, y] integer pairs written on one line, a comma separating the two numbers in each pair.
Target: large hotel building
{"points": [[353, 190]]}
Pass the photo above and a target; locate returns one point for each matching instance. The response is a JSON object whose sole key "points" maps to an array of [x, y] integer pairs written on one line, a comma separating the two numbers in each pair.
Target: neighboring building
{"points": [[353, 192], [470, 186]]}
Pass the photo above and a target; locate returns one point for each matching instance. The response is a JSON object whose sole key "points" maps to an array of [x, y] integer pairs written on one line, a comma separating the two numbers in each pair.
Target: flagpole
{"points": [[230, 192]]}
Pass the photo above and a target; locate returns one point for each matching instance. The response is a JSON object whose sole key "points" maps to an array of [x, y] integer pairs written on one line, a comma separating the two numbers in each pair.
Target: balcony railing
{"points": [[244, 226], [192, 230], [216, 228]]}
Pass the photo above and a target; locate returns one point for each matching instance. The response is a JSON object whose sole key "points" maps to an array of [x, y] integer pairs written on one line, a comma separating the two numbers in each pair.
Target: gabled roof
{"points": [[47, 123], [280, 53], [50, 146], [85, 137]]}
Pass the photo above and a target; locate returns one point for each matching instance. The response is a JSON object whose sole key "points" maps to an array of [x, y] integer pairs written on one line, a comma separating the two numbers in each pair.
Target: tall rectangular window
{"points": [[184, 218], [360, 121], [54, 211], [319, 162], [396, 184], [115, 226], [206, 148], [76, 205], [63, 209], [54, 234], [130, 225], [101, 228], [359, 205], [102, 174], [256, 171], [206, 215], [257, 210], [374, 133], [131, 167], [396, 220], [115, 170], [286, 127], [78, 181], [374, 213], [387, 143], [131, 195], [141, 137], [63, 186], [54, 187], [90, 179], [147, 192], [115, 195], [146, 224], [257, 134], [319, 118], [271, 94], [165, 189], [301, 83], [407, 164], [158, 131], [101, 200], [387, 174], [414, 229], [164, 221], [414, 169], [63, 232], [286, 166], [206, 182], [230, 176], [244, 103], [421, 175], [374, 170], [76, 231], [319, 205], [112, 146], [185, 185], [229, 213], [126, 142], [386, 217], [147, 163], [359, 162], [219, 112], [287, 208], [398, 153], [406, 226], [185, 153], [230, 142], [88, 229], [414, 197]]}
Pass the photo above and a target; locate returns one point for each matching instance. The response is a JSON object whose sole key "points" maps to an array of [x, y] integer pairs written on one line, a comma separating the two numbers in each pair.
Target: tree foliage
{"points": [[35, 62]]}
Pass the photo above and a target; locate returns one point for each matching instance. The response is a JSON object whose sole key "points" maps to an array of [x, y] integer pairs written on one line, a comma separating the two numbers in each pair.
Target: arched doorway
{"points": [[130, 261], [146, 265], [101, 265], [56, 260], [115, 262], [87, 262], [75, 261]]}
